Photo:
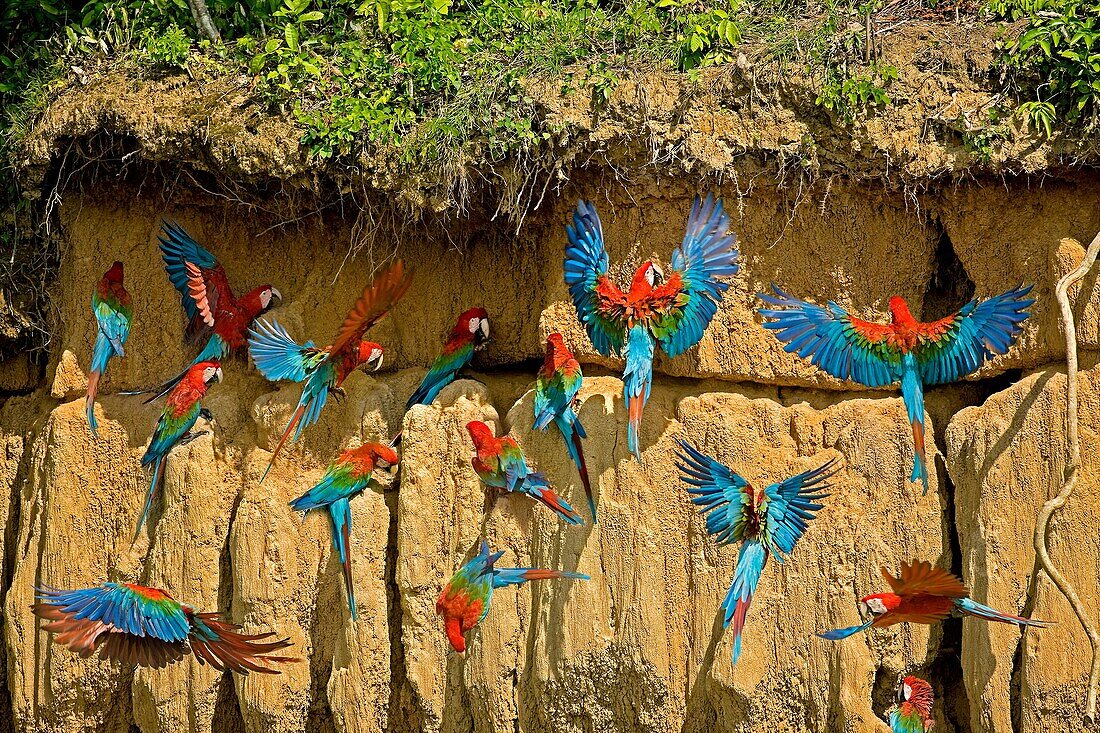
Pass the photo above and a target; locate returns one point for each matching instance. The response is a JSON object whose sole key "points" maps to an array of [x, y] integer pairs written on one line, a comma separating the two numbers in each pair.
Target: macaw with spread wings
{"points": [[323, 370], [135, 624], [904, 350], [672, 313], [215, 317], [764, 521], [924, 594]]}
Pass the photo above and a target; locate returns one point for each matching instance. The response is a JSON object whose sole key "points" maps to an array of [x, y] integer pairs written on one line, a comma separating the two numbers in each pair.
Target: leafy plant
{"points": [[1056, 59], [851, 96]]}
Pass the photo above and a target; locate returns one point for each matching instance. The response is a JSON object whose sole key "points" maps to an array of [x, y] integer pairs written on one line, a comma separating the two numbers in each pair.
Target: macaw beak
{"points": [[379, 364], [205, 414], [218, 374], [484, 328], [276, 295], [899, 696]]}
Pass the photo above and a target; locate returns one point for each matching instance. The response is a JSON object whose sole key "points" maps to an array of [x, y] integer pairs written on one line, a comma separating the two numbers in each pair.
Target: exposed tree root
{"points": [[1042, 521]]}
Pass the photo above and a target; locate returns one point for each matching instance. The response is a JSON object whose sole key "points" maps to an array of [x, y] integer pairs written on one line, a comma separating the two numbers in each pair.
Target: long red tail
{"points": [[582, 468], [550, 498], [89, 401], [282, 441]]}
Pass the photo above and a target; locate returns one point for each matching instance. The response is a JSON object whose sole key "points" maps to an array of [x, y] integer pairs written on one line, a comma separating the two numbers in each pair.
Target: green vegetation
{"points": [[426, 76], [1054, 64]]}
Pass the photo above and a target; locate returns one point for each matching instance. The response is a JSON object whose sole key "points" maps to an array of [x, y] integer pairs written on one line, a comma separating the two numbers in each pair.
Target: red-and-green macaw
{"points": [[347, 477], [556, 388], [464, 601], [913, 711], [181, 412], [113, 311], [904, 350], [133, 624], [499, 462], [215, 317], [673, 314], [924, 594], [469, 334], [323, 370], [764, 521]]}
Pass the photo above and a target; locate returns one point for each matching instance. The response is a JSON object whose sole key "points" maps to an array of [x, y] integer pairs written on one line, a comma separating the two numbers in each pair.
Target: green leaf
{"points": [[311, 16]]}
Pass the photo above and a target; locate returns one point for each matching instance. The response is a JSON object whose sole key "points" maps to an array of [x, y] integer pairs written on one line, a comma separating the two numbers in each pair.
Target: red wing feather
{"points": [[873, 332], [234, 650], [611, 300], [667, 294], [921, 577], [196, 286], [937, 329], [375, 301]]}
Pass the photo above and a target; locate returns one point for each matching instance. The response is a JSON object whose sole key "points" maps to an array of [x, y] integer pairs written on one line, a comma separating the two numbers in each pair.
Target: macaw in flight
{"points": [[470, 333], [905, 350], [114, 312], [182, 410], [464, 601], [215, 317], [324, 370], [556, 388], [136, 625], [924, 594], [500, 463], [672, 313], [912, 712], [764, 522], [347, 477]]}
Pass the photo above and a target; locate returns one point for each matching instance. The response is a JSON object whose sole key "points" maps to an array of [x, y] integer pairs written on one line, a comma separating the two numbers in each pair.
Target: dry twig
{"points": [[1069, 477]]}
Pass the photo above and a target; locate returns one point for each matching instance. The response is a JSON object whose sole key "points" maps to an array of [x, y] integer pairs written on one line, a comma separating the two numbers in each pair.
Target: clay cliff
{"points": [[640, 646]]}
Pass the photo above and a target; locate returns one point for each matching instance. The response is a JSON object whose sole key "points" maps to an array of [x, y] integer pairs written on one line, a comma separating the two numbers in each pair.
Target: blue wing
{"points": [[975, 333], [707, 252], [276, 354], [177, 248], [723, 496], [123, 608], [791, 504], [832, 340], [585, 263]]}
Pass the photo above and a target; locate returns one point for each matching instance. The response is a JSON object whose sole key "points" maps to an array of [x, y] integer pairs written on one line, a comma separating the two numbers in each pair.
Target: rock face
{"points": [[640, 646]]}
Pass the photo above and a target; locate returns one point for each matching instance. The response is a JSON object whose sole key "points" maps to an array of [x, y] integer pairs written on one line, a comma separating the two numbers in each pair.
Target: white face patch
{"points": [[210, 373], [651, 275], [906, 691], [475, 323], [876, 606]]}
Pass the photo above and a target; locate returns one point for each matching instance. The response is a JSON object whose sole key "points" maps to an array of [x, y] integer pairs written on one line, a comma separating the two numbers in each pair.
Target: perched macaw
{"points": [[673, 314], [345, 479], [556, 389], [913, 711], [764, 521], [469, 334], [464, 601], [113, 314], [904, 350], [181, 412], [924, 594], [133, 624], [323, 370], [215, 318], [499, 462]]}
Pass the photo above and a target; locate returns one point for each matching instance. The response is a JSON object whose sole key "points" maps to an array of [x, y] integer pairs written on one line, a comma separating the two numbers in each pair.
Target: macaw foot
{"points": [[205, 414], [338, 394], [194, 435]]}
